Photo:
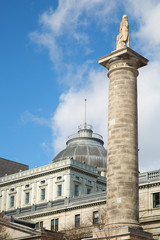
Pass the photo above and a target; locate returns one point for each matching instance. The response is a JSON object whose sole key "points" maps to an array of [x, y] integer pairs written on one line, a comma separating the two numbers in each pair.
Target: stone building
{"points": [[70, 192], [59, 195]]}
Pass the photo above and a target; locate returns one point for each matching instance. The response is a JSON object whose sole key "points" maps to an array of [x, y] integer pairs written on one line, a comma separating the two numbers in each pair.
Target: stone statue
{"points": [[123, 35]]}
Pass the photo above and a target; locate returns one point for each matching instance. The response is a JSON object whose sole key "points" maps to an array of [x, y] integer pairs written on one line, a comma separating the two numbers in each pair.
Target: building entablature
{"points": [[49, 169], [149, 184]]}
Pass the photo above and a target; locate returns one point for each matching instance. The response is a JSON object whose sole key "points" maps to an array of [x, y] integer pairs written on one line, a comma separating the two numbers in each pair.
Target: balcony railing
{"points": [[76, 135]]}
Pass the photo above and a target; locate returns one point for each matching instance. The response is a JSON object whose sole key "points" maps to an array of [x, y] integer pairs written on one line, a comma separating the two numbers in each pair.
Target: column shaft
{"points": [[122, 150]]}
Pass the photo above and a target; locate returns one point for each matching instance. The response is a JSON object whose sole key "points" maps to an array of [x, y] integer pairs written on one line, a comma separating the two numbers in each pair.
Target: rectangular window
{"points": [[95, 217], [76, 190], [77, 220], [59, 190], [27, 198], [41, 224], [12, 201], [88, 190], [54, 224], [43, 193], [156, 200]]}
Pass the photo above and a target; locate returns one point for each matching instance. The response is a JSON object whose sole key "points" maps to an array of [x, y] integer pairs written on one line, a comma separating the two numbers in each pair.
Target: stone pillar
{"points": [[122, 149]]}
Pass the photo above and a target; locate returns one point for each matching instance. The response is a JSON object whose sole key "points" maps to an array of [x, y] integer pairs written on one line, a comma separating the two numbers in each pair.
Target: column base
{"points": [[121, 233]]}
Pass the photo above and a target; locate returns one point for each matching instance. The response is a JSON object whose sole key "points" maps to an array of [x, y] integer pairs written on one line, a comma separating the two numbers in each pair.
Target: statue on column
{"points": [[123, 36]]}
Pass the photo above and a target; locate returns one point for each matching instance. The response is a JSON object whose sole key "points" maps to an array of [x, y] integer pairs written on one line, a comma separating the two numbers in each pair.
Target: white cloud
{"points": [[70, 20], [147, 15], [68, 14], [47, 40], [70, 111], [29, 117], [149, 117]]}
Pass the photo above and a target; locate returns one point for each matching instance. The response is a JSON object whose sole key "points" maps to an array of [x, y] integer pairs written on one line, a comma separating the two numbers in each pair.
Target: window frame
{"points": [[54, 224], [76, 190], [41, 224], [43, 194], [156, 202], [12, 201], [59, 190], [77, 220], [27, 197], [95, 219], [89, 190]]}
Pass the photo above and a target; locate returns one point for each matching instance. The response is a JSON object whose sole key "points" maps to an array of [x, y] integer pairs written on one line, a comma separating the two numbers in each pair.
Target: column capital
{"points": [[126, 54]]}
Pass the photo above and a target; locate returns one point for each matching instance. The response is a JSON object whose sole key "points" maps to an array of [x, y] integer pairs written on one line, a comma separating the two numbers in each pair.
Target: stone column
{"points": [[122, 150]]}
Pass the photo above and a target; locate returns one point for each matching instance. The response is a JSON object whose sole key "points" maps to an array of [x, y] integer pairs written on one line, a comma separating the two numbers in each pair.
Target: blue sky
{"points": [[48, 59]]}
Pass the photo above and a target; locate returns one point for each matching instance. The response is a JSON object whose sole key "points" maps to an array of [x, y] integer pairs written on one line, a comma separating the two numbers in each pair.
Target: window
{"points": [[41, 224], [59, 178], [76, 190], [27, 186], [54, 224], [88, 190], [12, 201], [95, 217], [59, 190], [156, 200], [27, 198], [77, 220], [43, 192], [77, 177], [12, 190]]}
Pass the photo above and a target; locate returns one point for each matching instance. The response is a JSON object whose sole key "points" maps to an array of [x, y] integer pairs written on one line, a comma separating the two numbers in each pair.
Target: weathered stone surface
{"points": [[122, 149]]}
